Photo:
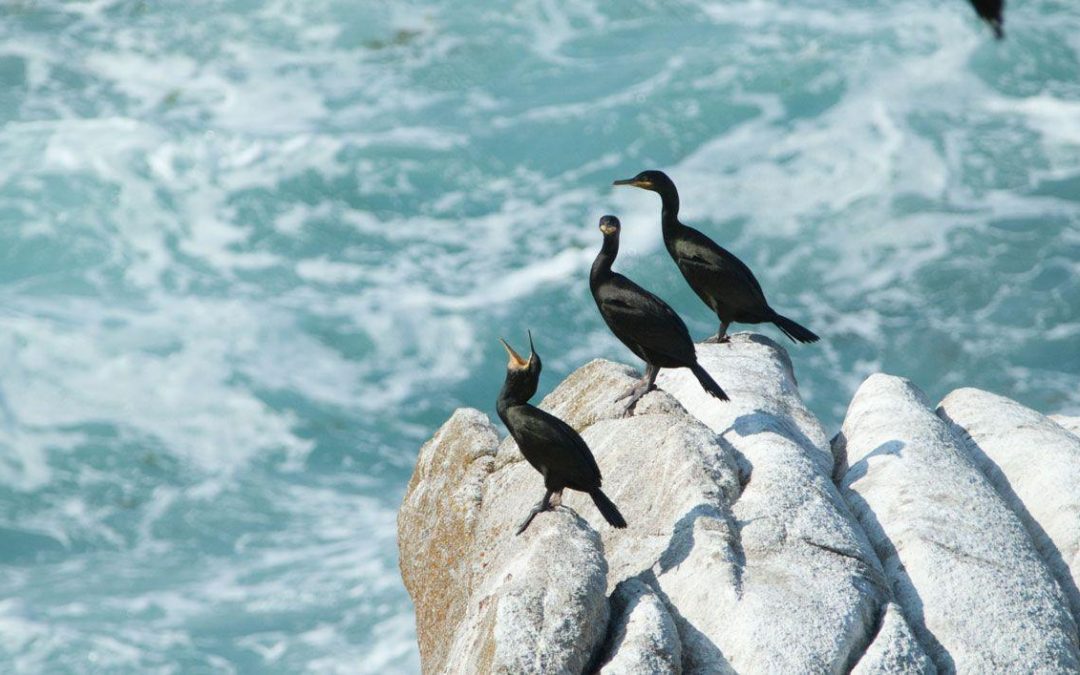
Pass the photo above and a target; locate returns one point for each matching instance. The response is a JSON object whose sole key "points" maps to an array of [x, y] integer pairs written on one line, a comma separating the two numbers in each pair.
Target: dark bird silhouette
{"points": [[992, 12], [721, 280], [643, 322], [549, 444]]}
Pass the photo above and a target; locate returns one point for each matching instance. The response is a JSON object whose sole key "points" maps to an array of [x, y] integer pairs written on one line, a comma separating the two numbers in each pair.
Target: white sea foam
{"points": [[259, 252]]}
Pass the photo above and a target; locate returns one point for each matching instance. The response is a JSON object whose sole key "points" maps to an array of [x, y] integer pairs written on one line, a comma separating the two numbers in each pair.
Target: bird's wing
{"points": [[707, 263], [636, 314], [562, 448]]}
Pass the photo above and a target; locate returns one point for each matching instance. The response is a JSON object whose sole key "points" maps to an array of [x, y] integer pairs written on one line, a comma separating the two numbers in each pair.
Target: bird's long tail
{"points": [[607, 509], [793, 330], [707, 383]]}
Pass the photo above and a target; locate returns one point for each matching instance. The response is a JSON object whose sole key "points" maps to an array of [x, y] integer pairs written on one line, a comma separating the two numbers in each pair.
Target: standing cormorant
{"points": [[643, 322], [992, 12], [549, 444], [720, 279]]}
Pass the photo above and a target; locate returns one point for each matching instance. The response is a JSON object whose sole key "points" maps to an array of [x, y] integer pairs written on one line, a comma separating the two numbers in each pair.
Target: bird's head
{"points": [[656, 181], [522, 375], [609, 225]]}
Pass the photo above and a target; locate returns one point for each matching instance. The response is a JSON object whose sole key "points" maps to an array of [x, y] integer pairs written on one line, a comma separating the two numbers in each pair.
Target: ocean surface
{"points": [[252, 254]]}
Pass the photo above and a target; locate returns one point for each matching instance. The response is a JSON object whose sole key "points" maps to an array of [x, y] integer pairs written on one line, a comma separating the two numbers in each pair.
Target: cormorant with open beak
{"points": [[991, 11], [549, 444], [721, 280], [643, 322]]}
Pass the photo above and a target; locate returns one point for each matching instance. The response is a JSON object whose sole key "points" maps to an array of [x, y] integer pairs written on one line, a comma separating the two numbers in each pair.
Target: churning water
{"points": [[253, 253]]}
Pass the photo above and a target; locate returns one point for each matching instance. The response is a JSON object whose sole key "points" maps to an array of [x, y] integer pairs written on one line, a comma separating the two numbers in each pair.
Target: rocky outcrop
{"points": [[808, 592], [977, 592], [437, 524], [644, 637], [751, 546], [536, 612], [1034, 463], [895, 649]]}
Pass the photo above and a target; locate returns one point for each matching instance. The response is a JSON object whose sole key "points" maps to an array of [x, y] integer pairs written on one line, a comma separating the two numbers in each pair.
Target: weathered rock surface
{"points": [[808, 591], [977, 592], [741, 555], [437, 523], [895, 649], [536, 612], [644, 638], [1071, 424], [1035, 465]]}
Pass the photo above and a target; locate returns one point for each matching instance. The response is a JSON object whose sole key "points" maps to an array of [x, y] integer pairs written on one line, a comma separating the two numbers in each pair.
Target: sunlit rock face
{"points": [[754, 544], [978, 592]]}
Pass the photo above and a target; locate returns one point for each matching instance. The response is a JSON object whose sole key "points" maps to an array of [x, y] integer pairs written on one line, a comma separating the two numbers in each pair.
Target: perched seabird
{"points": [[721, 280], [643, 322], [549, 444]]}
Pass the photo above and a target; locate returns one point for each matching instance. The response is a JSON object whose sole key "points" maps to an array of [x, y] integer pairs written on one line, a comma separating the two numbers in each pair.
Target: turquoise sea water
{"points": [[253, 253]]}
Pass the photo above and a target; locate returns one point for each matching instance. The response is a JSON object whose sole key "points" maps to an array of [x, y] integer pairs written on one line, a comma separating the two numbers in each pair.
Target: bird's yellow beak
{"points": [[516, 362], [607, 229]]}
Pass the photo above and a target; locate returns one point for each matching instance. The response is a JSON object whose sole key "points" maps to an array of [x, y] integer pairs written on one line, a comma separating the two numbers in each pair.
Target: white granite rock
{"points": [[742, 554], [1035, 465], [964, 569], [806, 590], [895, 649], [1071, 424], [539, 606], [437, 523], [674, 481], [643, 637], [488, 601], [481, 629]]}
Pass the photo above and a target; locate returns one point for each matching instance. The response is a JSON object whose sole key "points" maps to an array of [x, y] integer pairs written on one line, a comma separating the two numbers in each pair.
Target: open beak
{"points": [[516, 362]]}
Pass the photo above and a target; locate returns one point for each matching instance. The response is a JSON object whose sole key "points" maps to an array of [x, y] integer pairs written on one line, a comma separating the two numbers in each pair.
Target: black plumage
{"points": [[643, 322], [550, 445], [720, 279], [992, 12]]}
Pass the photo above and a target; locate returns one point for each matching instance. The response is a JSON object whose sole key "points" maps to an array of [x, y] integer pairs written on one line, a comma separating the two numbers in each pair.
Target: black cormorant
{"points": [[720, 279], [549, 444], [992, 12], [643, 322]]}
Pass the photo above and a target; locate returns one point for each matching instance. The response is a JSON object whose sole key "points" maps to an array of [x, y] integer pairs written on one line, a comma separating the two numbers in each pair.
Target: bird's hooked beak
{"points": [[635, 182], [516, 362]]}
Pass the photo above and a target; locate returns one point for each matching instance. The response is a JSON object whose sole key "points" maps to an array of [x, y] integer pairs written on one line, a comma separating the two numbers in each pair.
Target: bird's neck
{"points": [[601, 268], [509, 396], [504, 403], [669, 213]]}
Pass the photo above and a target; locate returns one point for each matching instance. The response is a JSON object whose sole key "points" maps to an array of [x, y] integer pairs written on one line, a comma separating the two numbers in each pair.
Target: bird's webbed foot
{"points": [[635, 393], [543, 505]]}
